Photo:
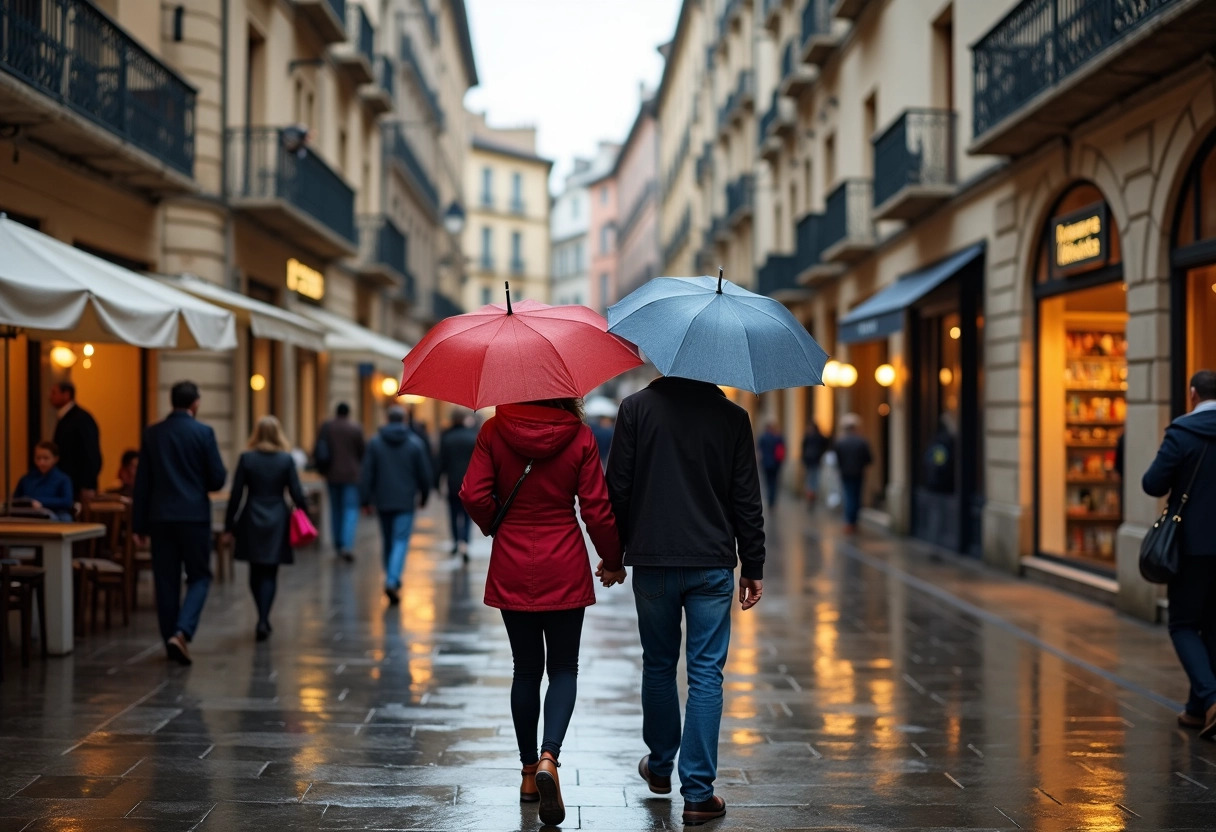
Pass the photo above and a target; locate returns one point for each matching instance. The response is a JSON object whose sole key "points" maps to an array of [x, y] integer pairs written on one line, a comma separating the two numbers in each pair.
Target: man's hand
{"points": [[609, 578], [749, 592]]}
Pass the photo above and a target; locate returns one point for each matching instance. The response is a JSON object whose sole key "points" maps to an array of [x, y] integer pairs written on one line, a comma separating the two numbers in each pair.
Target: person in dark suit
{"points": [[258, 517], [78, 439], [1189, 450], [455, 451], [179, 466]]}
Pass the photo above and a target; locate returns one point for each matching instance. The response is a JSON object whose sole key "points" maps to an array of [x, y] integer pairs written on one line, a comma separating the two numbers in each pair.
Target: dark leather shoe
{"points": [[1188, 720], [177, 650], [552, 810], [394, 596], [658, 785], [1209, 724], [698, 813]]}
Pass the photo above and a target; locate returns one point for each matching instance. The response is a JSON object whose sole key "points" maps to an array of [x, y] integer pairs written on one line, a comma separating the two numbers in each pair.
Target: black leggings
{"points": [[263, 581], [530, 633]]}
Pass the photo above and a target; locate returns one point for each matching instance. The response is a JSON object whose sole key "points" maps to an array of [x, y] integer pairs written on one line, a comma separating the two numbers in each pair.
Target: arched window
{"points": [[1193, 288]]}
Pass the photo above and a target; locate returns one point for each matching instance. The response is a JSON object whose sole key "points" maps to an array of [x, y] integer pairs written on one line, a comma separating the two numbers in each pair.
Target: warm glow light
{"points": [[884, 409], [88, 350], [413, 398], [955, 333], [831, 373], [88, 363], [946, 376], [848, 375], [1213, 287], [62, 357], [885, 375], [257, 382], [389, 387]]}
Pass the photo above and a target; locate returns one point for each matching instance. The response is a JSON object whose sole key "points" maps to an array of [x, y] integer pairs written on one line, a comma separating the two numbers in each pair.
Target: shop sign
{"points": [[1080, 240], [304, 280]]}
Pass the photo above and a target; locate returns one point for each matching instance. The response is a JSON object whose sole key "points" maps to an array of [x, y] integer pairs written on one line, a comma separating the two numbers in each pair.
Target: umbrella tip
{"points": [[507, 283], [719, 280]]}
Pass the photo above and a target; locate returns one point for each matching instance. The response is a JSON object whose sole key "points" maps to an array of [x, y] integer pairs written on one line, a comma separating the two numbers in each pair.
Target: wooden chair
{"points": [[103, 575], [21, 587]]}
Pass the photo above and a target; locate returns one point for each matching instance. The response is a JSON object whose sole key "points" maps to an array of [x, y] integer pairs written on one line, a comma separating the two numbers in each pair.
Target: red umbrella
{"points": [[516, 353]]}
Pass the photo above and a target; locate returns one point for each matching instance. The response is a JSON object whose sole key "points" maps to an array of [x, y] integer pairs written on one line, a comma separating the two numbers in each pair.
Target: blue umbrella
{"points": [[712, 330]]}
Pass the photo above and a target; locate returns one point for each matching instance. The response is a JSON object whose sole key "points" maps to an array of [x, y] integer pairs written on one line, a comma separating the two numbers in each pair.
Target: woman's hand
{"points": [[609, 578]]}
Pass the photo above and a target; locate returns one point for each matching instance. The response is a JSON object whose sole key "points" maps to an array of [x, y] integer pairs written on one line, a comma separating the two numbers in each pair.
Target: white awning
{"points": [[347, 338], [264, 320], [52, 290]]}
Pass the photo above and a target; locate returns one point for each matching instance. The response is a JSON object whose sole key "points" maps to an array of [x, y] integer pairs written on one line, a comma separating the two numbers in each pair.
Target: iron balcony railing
{"points": [[359, 30], [269, 163], [386, 75], [399, 146], [382, 243], [788, 62], [724, 21], [518, 266], [848, 213], [75, 54], [339, 8], [779, 273], [740, 194], [918, 149], [808, 242], [1040, 43], [745, 86], [705, 164], [769, 118], [432, 21], [443, 306], [410, 56], [816, 19]]}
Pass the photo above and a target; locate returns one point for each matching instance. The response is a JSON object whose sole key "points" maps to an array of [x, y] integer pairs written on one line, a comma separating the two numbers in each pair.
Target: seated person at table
{"points": [[124, 486], [47, 487]]}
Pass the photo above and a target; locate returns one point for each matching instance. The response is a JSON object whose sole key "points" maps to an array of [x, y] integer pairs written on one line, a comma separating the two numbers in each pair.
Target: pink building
{"points": [[602, 241]]}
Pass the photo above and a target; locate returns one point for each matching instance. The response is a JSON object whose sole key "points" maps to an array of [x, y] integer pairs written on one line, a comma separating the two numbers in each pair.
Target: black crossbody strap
{"points": [[1186, 495], [502, 511]]}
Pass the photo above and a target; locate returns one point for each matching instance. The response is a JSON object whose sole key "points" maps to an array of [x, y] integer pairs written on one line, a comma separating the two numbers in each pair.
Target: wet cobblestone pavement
{"points": [[877, 686]]}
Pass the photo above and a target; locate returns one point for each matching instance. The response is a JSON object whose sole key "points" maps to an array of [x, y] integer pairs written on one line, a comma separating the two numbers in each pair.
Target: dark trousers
{"points": [[531, 633], [851, 488], [1192, 598], [772, 481], [263, 583], [178, 546], [460, 519]]}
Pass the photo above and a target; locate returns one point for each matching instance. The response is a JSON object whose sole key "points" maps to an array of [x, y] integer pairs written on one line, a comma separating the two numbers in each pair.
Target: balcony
{"points": [[818, 40], [410, 58], [727, 20], [383, 251], [1051, 64], [80, 85], [780, 120], [328, 17], [282, 184], [745, 92], [809, 266], [778, 279], [772, 14], [356, 56], [847, 231], [443, 306], [740, 198], [719, 230], [849, 9], [914, 168], [796, 77], [705, 164], [378, 96], [518, 267], [409, 167]]}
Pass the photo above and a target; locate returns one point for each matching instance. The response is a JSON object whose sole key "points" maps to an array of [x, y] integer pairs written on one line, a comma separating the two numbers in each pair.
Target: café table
{"points": [[55, 540]]}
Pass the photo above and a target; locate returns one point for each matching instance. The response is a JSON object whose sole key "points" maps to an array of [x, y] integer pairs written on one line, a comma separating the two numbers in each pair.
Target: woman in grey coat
{"points": [[258, 516]]}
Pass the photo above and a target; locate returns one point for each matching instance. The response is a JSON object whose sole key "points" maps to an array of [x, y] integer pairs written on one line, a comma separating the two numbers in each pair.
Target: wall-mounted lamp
{"points": [[955, 333], [88, 350], [885, 375], [257, 382], [389, 387], [63, 357], [946, 376], [839, 374], [453, 219]]}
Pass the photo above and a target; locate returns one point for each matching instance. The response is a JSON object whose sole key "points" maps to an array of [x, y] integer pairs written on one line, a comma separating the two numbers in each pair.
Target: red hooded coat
{"points": [[539, 561]]}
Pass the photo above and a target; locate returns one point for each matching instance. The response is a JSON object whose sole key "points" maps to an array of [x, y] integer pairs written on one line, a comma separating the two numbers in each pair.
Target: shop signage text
{"points": [[1080, 241], [305, 281]]}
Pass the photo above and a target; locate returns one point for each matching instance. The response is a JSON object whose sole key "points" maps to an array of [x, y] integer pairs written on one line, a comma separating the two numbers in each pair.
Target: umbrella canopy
{"points": [[521, 352], [712, 330], [53, 290]]}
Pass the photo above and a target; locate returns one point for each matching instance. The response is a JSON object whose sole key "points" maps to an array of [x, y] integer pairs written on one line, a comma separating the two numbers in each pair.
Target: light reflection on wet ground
{"points": [[875, 687]]}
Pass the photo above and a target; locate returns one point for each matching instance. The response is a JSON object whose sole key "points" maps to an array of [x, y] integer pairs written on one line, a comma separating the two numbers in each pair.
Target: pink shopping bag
{"points": [[303, 532]]}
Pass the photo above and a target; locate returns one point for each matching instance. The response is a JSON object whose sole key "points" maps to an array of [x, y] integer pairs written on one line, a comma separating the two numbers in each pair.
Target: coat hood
{"points": [[1202, 423], [395, 433], [535, 431]]}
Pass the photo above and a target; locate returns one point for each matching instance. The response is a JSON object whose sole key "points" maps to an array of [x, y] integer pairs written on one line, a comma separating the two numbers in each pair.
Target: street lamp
{"points": [[453, 219]]}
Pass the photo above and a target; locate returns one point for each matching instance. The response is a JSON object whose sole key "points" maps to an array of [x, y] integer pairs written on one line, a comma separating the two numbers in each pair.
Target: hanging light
{"points": [[955, 333], [945, 376], [257, 382], [885, 375], [62, 357], [88, 350], [389, 387]]}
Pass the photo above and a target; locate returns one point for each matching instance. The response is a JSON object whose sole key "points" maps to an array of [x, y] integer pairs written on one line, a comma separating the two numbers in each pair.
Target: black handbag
{"points": [[1159, 556], [502, 510]]}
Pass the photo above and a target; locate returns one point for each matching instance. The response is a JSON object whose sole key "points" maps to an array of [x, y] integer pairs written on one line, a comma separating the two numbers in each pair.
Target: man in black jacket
{"points": [[179, 465], [78, 439], [1187, 453], [686, 493], [455, 451]]}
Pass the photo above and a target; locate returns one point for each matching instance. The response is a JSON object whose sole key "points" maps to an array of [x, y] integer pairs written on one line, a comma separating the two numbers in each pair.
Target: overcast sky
{"points": [[570, 67]]}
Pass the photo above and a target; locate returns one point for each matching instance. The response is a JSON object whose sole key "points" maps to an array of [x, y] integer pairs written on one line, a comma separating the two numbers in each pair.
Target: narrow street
{"points": [[877, 686]]}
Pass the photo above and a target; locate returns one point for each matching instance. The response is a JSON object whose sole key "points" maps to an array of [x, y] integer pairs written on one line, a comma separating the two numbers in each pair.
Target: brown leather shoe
{"points": [[1209, 724], [696, 814], [552, 809], [1187, 720], [527, 788], [658, 785]]}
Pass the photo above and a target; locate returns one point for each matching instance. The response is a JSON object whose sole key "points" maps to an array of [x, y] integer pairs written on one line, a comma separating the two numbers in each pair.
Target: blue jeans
{"points": [[177, 547], [460, 519], [851, 488], [395, 529], [1192, 628], [344, 514], [703, 596], [772, 483]]}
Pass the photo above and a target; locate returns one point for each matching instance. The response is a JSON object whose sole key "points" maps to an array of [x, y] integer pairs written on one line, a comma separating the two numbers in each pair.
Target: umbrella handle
{"points": [[507, 283], [719, 280]]}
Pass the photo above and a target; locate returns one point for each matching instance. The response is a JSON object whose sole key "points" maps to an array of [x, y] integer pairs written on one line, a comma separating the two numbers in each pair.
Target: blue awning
{"points": [[883, 314]]}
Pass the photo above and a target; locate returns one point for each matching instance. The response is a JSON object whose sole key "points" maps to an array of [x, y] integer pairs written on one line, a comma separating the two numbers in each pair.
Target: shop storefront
{"points": [[1193, 261], [1081, 324]]}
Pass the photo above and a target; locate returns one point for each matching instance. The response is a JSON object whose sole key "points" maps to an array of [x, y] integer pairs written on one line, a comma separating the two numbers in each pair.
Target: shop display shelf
{"points": [[1075, 389], [1092, 423], [1094, 517]]}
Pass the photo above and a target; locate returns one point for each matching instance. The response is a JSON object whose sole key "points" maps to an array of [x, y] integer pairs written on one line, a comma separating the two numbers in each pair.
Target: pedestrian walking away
{"points": [[772, 456], [1187, 454], [455, 451], [258, 518], [539, 575], [338, 456], [814, 445], [853, 456], [180, 465], [46, 487], [78, 439], [685, 491], [396, 478]]}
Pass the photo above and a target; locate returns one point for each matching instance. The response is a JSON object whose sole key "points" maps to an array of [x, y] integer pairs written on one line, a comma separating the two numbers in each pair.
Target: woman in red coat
{"points": [[540, 575]]}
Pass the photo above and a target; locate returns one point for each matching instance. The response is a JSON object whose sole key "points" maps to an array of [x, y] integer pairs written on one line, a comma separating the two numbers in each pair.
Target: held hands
{"points": [[609, 578], [750, 591]]}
